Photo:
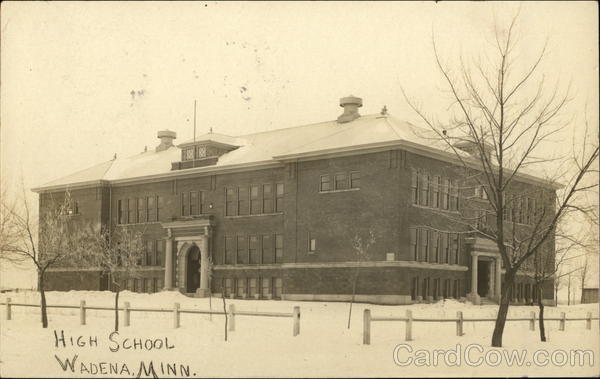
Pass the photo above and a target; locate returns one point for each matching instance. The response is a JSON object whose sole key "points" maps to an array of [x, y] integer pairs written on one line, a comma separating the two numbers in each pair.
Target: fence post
{"points": [[8, 309], [561, 325], [532, 321], [176, 316], [409, 322], [82, 312], [231, 318], [296, 320], [588, 322], [367, 327], [126, 314], [459, 323]]}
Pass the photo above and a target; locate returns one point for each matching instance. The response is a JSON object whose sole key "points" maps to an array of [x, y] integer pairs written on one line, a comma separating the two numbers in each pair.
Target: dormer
{"points": [[205, 150]]}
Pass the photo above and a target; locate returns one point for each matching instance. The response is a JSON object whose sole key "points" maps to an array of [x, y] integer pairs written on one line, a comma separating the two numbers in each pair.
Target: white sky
{"points": [[68, 68]]}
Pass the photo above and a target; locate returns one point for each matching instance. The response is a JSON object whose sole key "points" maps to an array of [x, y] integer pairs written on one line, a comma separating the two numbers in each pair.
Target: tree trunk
{"points": [[117, 308], [224, 310], [541, 318], [503, 309], [353, 295], [43, 300]]}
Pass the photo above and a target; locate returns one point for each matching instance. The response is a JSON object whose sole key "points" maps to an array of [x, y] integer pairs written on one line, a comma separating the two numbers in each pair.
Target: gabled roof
{"points": [[271, 148]]}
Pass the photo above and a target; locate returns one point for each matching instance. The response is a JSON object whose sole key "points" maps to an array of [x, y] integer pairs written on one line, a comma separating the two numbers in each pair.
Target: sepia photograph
{"points": [[299, 189]]}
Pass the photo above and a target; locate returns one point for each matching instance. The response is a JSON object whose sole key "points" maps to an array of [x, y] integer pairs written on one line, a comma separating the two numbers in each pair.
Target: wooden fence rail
{"points": [[176, 311], [409, 319]]}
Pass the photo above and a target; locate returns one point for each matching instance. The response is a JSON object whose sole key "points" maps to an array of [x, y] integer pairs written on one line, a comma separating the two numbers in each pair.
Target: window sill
{"points": [[140, 223], [341, 190], [256, 215], [435, 209]]}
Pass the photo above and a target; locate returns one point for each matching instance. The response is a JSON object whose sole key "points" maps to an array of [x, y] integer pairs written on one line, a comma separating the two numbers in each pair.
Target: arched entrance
{"points": [[193, 269]]}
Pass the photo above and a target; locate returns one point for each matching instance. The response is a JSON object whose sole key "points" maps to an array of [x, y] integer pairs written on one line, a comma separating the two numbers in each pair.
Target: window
{"points": [[533, 212], [160, 252], [149, 253], [227, 287], [267, 250], [141, 209], [240, 286], [242, 250], [254, 251], [278, 248], [424, 184], [447, 289], [445, 248], [148, 285], [527, 211], [480, 221], [424, 245], [159, 206], [151, 210], [255, 200], [355, 179], [437, 183], [184, 204], [188, 154], [194, 209], [277, 288], [484, 194], [436, 288], [230, 202], [229, 251], [130, 211], [425, 288], [445, 194], [457, 288], [200, 152], [455, 247], [414, 288], [279, 199], [312, 244], [414, 234], [252, 287], [265, 287], [267, 198], [414, 186], [122, 212], [341, 181], [242, 201], [435, 251], [453, 195], [325, 183]]}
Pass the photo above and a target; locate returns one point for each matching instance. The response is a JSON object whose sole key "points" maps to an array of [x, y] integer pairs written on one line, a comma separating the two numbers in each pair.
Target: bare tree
{"points": [[119, 254], [547, 266], [503, 116], [48, 241], [361, 246]]}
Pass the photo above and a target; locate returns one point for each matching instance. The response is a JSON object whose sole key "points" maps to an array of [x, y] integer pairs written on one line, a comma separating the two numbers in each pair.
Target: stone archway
{"points": [[192, 270], [191, 274]]}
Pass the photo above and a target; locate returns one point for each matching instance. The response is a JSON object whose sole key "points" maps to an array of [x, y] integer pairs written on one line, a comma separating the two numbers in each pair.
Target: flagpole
{"points": [[194, 120]]}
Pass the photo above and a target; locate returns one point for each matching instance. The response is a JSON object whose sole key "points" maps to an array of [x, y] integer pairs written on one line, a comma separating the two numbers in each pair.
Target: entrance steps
{"points": [[487, 301]]}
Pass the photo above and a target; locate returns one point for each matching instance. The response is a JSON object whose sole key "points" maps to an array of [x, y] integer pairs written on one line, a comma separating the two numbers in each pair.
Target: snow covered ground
{"points": [[266, 347]]}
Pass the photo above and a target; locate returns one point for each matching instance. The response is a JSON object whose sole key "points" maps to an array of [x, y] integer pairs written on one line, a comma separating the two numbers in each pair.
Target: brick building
{"points": [[274, 214]]}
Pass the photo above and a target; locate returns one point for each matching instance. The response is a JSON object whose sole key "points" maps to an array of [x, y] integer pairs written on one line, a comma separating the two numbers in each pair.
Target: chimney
{"points": [[166, 139], [350, 105]]}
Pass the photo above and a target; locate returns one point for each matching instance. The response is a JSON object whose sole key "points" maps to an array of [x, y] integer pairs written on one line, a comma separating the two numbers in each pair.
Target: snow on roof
{"points": [[214, 137], [267, 147]]}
